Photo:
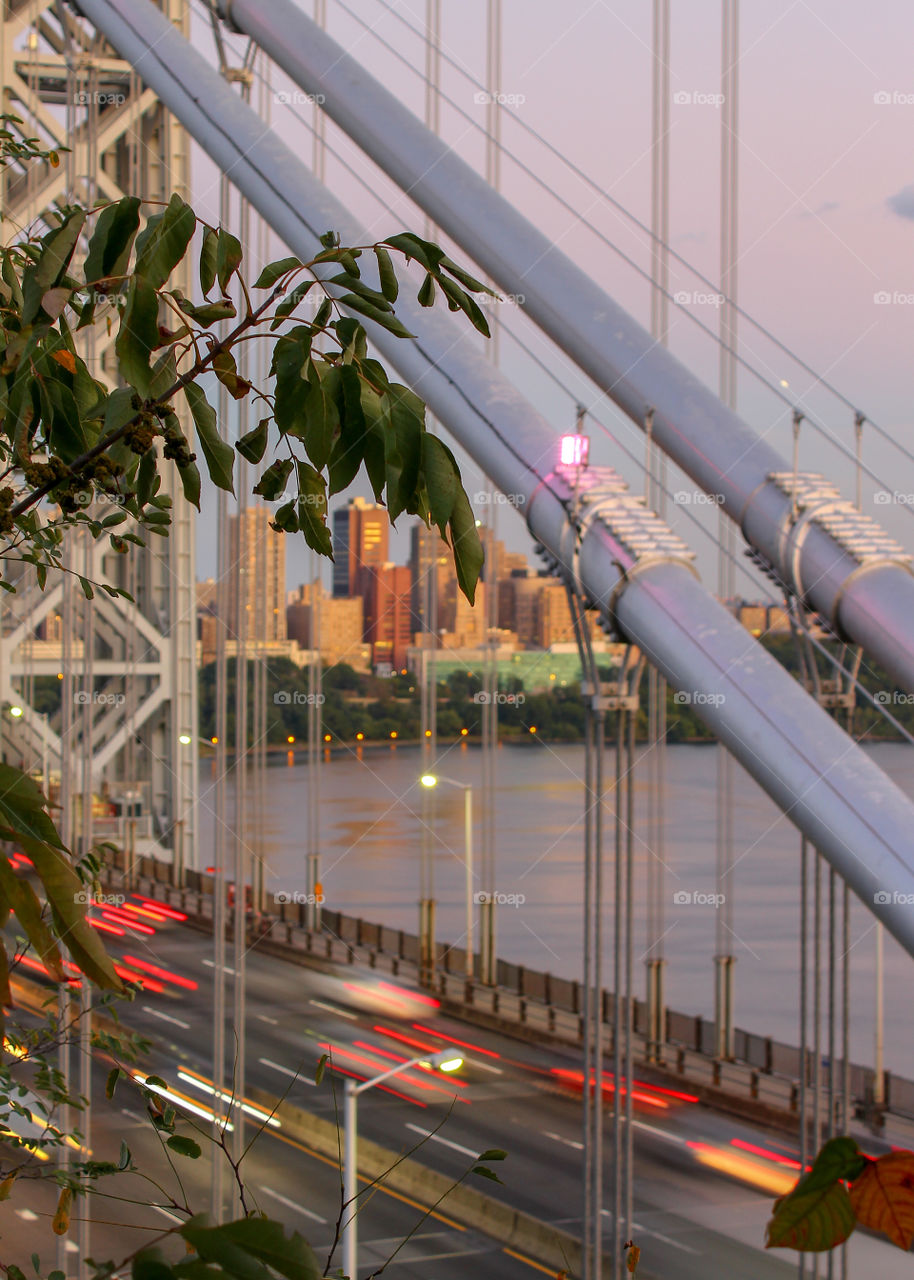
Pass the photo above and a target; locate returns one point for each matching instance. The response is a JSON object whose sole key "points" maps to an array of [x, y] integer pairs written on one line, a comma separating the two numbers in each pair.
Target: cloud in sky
{"points": [[902, 202], [828, 206]]}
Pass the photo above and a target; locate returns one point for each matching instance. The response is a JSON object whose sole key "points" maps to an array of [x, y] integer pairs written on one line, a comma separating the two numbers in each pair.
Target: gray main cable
{"points": [[823, 781]]}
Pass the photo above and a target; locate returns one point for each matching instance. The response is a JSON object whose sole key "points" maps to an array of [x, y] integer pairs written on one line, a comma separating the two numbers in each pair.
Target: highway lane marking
{"points": [[165, 1213], [211, 964], [134, 1115], [166, 1017], [267, 1062], [445, 1142], [262, 1017], [569, 1142], [484, 1066], [396, 1195], [27, 1215], [660, 1133], [290, 1204], [332, 1008], [657, 1235], [522, 1257]]}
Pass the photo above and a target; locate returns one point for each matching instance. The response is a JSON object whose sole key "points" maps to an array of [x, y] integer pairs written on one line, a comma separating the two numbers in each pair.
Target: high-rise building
{"points": [[334, 625], [261, 555], [431, 562], [361, 534], [388, 617]]}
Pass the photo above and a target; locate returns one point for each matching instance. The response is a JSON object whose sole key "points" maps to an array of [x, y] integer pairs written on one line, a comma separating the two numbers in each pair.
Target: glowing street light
{"points": [[432, 780], [445, 1060], [16, 712]]}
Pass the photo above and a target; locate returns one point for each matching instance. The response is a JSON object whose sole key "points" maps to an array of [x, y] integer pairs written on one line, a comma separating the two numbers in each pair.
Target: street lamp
{"points": [[432, 780], [445, 1060]]}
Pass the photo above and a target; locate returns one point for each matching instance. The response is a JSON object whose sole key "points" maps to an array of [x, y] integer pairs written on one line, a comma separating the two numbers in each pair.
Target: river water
{"points": [[371, 836]]}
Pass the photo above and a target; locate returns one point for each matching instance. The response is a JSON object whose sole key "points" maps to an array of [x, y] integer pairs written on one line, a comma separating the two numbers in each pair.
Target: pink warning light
{"points": [[573, 451]]}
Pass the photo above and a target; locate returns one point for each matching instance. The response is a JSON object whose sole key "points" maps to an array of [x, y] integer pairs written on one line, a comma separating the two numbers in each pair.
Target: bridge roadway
{"points": [[704, 1182]]}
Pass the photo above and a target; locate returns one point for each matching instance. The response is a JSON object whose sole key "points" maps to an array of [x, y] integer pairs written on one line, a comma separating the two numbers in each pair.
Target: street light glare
{"points": [[429, 780], [451, 1064], [16, 711]]}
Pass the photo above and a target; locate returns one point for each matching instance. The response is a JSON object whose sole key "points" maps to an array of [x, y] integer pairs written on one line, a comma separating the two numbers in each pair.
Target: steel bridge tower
{"points": [[103, 681]]}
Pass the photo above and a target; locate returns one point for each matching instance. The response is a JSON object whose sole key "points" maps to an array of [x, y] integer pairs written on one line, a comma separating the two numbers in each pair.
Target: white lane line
{"points": [[211, 964], [166, 1213], [569, 1142], [332, 1008], [26, 1215], [660, 1133], [165, 1017], [434, 1137], [262, 1017], [134, 1115], [656, 1235], [484, 1066], [290, 1204], [267, 1062]]}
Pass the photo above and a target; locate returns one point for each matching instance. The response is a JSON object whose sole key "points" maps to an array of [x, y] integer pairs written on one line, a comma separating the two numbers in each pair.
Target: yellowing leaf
{"points": [[6, 1186], [634, 1257], [66, 358], [61, 1223], [883, 1197]]}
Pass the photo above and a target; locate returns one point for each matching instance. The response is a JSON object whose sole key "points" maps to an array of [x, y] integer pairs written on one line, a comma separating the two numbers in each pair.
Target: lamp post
{"points": [[432, 780], [445, 1060]]}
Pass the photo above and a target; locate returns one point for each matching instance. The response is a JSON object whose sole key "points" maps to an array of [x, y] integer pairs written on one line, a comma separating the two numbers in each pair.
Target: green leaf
{"points": [[426, 293], [321, 418], [439, 471], [229, 255], [286, 518], [466, 544], [112, 240], [468, 281], [247, 1246], [312, 509], [388, 277], [21, 898], [149, 1265], [138, 335], [460, 301], [425, 253], [493, 1154], [481, 1171], [319, 1070], [146, 476], [208, 261], [363, 290], [349, 446], [220, 457], [111, 1083], [68, 435], [227, 372], [291, 360], [272, 483], [812, 1220], [163, 242], [184, 1146], [403, 447], [385, 319], [253, 444], [274, 271], [54, 254]]}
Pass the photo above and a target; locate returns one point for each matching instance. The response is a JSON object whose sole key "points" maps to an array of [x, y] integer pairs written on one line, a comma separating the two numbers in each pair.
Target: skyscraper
{"points": [[361, 533], [261, 554]]}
